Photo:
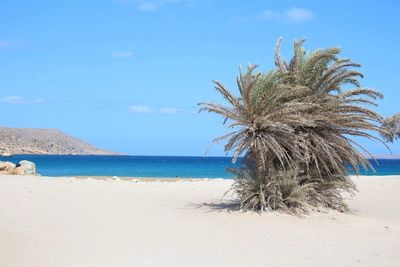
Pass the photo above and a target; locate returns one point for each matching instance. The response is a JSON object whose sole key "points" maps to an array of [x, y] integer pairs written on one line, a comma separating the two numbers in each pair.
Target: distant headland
{"points": [[44, 141]]}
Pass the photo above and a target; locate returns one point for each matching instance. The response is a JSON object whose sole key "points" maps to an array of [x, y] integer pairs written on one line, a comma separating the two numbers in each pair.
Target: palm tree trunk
{"points": [[260, 167], [260, 172], [264, 171]]}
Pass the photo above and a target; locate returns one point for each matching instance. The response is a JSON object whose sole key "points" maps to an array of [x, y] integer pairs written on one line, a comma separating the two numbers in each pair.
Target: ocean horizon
{"points": [[155, 166]]}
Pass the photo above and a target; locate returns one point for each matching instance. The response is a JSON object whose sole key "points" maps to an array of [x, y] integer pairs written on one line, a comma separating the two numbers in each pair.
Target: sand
{"points": [[89, 222]]}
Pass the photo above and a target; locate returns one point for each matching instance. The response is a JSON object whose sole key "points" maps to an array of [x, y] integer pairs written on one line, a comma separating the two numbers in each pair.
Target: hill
{"points": [[44, 141]]}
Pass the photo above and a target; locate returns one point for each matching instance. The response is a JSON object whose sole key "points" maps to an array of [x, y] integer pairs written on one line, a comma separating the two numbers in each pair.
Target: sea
{"points": [[154, 166]]}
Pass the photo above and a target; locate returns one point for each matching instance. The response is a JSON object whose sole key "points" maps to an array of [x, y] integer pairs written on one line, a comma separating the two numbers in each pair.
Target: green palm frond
{"points": [[295, 127]]}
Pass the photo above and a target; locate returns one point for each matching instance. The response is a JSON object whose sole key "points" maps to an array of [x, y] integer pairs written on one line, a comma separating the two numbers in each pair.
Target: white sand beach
{"points": [[86, 222]]}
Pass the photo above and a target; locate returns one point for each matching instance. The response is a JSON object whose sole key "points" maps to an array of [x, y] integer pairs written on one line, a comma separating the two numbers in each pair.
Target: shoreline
{"points": [[144, 179], [178, 179]]}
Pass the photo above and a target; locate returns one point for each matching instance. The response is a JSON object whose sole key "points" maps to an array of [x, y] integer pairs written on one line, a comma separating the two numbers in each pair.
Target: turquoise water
{"points": [[152, 166]]}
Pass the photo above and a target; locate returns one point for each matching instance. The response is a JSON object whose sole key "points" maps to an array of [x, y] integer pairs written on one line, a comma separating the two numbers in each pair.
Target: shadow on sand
{"points": [[220, 206]]}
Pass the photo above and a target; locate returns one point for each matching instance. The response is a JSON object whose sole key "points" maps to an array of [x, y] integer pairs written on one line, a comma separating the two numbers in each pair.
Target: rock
{"points": [[19, 171], [25, 168], [6, 154], [7, 167]]}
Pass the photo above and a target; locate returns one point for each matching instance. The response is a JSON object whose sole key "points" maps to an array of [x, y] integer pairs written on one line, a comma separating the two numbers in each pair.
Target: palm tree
{"points": [[391, 128], [294, 125], [338, 115], [261, 134]]}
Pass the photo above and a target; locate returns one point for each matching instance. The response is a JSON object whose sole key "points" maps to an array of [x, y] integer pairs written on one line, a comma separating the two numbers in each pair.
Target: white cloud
{"points": [[149, 6], [270, 15], [296, 15], [121, 54], [152, 5], [292, 15], [170, 110], [21, 100], [148, 109], [140, 109], [4, 44]]}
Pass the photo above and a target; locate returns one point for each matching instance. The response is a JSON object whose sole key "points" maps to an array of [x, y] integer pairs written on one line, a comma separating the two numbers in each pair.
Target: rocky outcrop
{"points": [[44, 141], [7, 167], [24, 167]]}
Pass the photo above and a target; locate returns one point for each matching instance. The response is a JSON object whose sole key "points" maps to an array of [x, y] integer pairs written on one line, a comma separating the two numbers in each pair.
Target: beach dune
{"points": [[89, 222]]}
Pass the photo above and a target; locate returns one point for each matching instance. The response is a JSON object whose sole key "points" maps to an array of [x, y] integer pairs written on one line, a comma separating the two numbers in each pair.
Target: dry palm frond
{"points": [[259, 133], [338, 114], [295, 127], [390, 130]]}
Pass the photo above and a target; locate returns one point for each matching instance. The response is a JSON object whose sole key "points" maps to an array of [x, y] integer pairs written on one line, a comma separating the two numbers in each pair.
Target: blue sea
{"points": [[153, 166]]}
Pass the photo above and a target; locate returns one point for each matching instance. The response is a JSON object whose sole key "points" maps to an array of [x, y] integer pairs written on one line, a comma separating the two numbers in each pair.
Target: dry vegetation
{"points": [[295, 128], [391, 128]]}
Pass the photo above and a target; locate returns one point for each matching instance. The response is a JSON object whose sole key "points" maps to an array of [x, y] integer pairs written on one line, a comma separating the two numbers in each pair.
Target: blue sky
{"points": [[127, 75]]}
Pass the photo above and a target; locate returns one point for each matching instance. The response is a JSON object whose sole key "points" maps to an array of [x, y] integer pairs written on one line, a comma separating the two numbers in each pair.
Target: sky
{"points": [[126, 75]]}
